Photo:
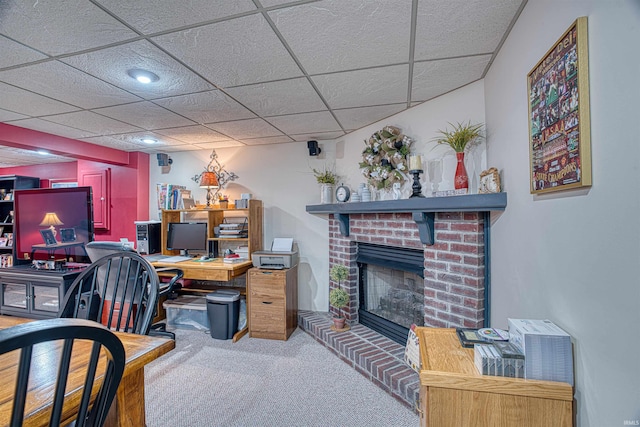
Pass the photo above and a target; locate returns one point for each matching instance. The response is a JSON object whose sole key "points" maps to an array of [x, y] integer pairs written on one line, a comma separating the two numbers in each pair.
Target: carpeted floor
{"points": [[257, 382]]}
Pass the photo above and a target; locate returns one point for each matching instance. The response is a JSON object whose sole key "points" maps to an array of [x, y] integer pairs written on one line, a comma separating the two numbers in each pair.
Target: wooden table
{"points": [[214, 269], [454, 393], [51, 249], [128, 406]]}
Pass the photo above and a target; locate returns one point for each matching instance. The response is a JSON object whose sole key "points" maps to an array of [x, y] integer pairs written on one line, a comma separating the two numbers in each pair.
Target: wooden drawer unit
{"points": [[272, 303]]}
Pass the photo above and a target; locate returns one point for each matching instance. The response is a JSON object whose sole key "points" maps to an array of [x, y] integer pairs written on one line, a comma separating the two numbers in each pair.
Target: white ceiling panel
{"points": [[60, 81], [449, 74], [193, 134], [175, 79], [91, 122], [244, 129], [461, 27], [374, 86], [21, 157], [338, 35], [151, 16], [321, 121], [62, 26], [277, 98], [355, 118], [206, 107], [14, 53], [231, 53], [316, 69], [145, 115]]}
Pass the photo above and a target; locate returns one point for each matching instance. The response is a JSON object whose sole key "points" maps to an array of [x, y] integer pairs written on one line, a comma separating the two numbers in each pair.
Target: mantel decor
{"points": [[559, 133], [384, 158]]}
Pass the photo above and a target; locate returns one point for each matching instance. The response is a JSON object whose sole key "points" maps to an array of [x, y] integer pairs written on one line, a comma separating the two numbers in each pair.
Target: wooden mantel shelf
{"points": [[423, 209]]}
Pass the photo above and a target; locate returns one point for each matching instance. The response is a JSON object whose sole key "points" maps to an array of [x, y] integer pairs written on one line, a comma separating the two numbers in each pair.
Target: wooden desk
{"points": [[214, 269], [454, 393], [128, 406]]}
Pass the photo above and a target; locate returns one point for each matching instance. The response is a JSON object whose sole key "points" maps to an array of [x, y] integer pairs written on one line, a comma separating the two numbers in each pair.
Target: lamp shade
{"points": [[51, 218], [208, 180]]}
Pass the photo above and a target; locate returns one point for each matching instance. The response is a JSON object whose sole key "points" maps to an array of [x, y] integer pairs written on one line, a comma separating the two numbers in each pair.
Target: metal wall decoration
{"points": [[223, 175], [559, 132]]}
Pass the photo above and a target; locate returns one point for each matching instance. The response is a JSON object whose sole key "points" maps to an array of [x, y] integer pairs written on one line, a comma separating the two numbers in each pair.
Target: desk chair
{"points": [[97, 250], [23, 338], [119, 290]]}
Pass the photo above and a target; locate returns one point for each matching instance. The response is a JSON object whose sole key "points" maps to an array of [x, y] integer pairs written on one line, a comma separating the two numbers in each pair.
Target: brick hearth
{"points": [[376, 357]]}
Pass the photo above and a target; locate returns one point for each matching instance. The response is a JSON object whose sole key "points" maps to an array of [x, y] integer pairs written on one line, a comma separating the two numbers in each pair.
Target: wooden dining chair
{"points": [[92, 408], [119, 290]]}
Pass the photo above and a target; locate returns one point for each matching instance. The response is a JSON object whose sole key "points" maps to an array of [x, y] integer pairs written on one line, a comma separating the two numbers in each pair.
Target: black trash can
{"points": [[223, 307]]}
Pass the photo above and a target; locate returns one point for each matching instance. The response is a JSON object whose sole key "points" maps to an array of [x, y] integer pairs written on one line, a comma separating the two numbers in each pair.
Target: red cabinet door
{"points": [[99, 182]]}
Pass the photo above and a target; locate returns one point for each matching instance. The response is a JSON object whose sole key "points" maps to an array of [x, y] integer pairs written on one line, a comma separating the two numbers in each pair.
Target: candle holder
{"points": [[417, 187]]}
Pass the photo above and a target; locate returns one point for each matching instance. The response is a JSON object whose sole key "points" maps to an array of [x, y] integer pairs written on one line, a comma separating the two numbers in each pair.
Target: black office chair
{"points": [[23, 337], [119, 290], [96, 250]]}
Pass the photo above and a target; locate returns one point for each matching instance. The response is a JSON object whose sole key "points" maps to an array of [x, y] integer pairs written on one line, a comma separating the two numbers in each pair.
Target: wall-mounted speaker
{"points": [[314, 150], [163, 159]]}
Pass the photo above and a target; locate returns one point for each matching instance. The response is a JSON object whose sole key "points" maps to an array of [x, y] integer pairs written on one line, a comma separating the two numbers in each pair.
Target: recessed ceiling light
{"points": [[143, 76], [42, 152], [149, 140]]}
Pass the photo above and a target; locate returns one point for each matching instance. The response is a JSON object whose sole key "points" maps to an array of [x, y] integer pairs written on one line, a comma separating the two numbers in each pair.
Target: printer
{"points": [[283, 254]]}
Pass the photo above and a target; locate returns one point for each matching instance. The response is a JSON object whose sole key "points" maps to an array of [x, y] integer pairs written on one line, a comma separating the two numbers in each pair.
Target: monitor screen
{"points": [[187, 236], [52, 223]]}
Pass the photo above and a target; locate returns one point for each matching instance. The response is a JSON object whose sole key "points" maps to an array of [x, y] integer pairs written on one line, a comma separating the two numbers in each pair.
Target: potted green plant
{"points": [[338, 297], [459, 138], [327, 178]]}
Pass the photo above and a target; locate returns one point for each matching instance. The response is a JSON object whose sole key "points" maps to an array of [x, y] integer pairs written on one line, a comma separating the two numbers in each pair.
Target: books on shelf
{"points": [[171, 196]]}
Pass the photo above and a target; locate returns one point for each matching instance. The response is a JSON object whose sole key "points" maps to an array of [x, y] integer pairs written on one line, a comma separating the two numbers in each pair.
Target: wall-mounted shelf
{"points": [[423, 209]]}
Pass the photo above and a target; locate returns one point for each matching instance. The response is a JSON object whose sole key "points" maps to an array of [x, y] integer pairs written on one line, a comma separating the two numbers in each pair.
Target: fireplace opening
{"points": [[391, 289]]}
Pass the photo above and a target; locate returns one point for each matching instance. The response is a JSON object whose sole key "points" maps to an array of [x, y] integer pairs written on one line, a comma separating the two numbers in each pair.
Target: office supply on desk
{"points": [[128, 407], [44, 333]]}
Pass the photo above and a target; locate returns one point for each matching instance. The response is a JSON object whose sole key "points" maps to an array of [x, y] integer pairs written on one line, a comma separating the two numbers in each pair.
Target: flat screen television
{"points": [[187, 236], [52, 223]]}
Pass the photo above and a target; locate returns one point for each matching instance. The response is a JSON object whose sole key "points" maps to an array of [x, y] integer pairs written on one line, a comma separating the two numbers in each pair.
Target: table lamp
{"points": [[209, 180], [51, 219]]}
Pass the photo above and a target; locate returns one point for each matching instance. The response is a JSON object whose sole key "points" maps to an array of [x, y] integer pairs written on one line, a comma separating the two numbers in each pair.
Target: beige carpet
{"points": [[258, 382]]}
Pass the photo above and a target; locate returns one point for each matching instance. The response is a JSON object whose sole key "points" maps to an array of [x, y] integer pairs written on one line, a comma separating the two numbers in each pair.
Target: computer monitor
{"points": [[187, 236]]}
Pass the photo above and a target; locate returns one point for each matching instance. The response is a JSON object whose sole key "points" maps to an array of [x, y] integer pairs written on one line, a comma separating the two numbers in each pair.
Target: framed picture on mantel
{"points": [[559, 132]]}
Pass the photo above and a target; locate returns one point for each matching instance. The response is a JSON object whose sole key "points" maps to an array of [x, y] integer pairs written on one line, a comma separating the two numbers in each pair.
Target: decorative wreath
{"points": [[384, 159]]}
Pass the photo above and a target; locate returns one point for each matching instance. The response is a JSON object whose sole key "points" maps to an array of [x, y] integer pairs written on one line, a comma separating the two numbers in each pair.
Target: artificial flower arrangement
{"points": [[384, 159]]}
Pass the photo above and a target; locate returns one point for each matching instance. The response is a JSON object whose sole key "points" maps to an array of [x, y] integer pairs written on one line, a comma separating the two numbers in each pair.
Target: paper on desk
{"points": [[282, 244]]}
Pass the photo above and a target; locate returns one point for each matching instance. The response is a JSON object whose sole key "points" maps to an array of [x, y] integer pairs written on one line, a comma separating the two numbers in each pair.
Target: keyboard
{"points": [[177, 258]]}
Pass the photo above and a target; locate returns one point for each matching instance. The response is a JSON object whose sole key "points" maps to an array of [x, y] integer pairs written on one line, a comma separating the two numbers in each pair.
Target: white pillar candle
{"points": [[415, 162]]}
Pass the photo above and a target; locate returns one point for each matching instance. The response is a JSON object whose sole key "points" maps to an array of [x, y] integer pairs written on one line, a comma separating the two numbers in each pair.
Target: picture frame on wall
{"points": [[559, 129]]}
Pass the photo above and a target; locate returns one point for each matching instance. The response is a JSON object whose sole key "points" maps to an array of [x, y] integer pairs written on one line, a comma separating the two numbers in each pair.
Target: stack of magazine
{"points": [[232, 230]]}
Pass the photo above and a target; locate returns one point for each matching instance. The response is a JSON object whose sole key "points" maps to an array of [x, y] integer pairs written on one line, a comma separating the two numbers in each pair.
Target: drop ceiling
{"points": [[232, 72]]}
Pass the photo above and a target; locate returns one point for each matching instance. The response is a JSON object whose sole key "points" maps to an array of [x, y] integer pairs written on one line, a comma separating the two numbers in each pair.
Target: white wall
{"points": [[573, 258]]}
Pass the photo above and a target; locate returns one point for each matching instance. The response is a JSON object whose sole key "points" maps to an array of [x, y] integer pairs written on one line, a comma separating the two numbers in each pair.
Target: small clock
{"points": [[343, 193]]}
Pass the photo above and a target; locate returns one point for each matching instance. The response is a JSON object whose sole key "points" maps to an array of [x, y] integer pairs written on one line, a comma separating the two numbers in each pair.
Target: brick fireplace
{"points": [[452, 233]]}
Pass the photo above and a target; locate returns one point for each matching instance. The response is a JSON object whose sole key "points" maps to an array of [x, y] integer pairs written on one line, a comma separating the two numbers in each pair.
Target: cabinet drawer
{"points": [[273, 278]]}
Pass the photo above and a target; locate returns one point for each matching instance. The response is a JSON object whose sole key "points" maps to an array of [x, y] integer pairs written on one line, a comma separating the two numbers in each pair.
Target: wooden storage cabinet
{"points": [[32, 293], [454, 393], [272, 303]]}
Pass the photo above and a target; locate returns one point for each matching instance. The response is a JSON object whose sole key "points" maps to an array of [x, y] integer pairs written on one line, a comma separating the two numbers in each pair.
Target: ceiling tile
{"points": [[53, 128], [14, 53], [461, 27], [229, 55], [222, 144], [91, 122], [305, 123], [277, 98], [337, 35], [29, 103], [375, 86], [145, 115], [19, 157], [149, 17], [244, 129], [322, 136], [107, 141], [268, 140], [355, 118], [59, 25], [206, 107], [112, 65], [193, 134], [62, 82], [134, 139], [433, 78], [7, 116]]}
